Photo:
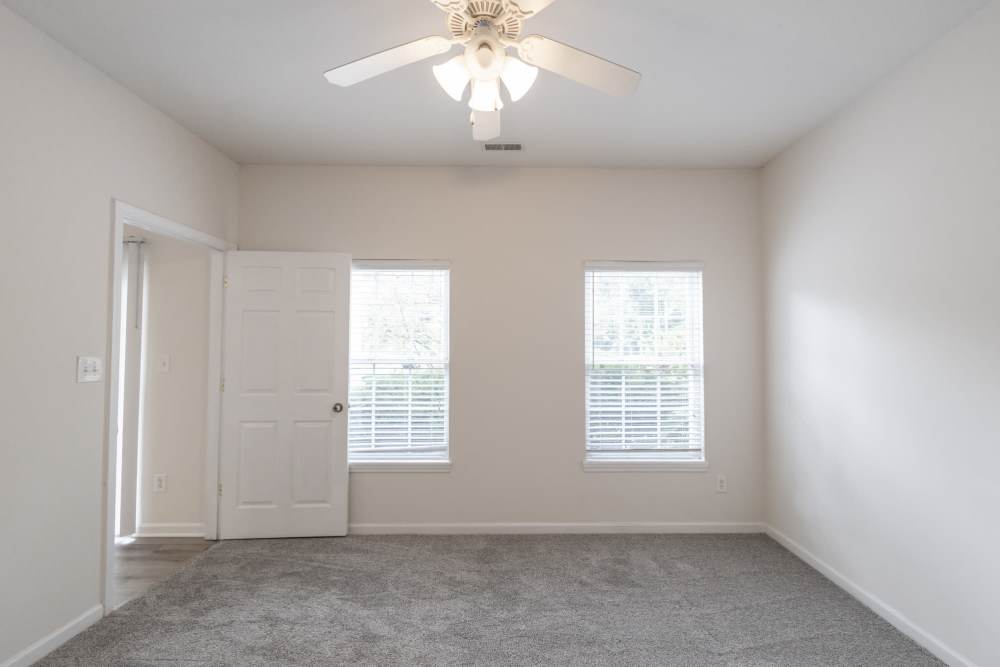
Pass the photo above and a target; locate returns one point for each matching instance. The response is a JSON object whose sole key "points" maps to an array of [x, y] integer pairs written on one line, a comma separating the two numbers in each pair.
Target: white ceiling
{"points": [[725, 82]]}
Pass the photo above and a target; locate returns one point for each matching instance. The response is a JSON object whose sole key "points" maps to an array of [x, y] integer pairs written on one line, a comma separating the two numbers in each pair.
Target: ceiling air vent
{"points": [[502, 147]]}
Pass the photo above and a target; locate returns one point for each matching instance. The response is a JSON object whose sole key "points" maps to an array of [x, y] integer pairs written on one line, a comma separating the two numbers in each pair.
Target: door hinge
{"points": [[225, 281], [220, 488], [222, 384]]}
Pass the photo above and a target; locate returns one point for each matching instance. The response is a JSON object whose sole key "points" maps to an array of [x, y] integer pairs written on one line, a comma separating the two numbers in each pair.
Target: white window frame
{"points": [[607, 464], [403, 465]]}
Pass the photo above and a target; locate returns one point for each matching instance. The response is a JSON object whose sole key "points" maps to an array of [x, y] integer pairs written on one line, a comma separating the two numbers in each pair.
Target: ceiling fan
{"points": [[487, 28]]}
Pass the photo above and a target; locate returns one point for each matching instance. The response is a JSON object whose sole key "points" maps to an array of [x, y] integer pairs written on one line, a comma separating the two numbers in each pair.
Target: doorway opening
{"points": [[163, 407]]}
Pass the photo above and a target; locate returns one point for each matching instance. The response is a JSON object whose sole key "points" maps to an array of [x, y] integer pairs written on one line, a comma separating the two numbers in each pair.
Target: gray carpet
{"points": [[495, 600]]}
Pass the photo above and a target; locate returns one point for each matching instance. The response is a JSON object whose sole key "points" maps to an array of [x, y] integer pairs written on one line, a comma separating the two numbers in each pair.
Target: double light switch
{"points": [[89, 369]]}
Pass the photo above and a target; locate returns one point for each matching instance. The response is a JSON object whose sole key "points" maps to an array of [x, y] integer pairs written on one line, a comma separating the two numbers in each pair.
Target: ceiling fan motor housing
{"points": [[477, 13], [484, 54]]}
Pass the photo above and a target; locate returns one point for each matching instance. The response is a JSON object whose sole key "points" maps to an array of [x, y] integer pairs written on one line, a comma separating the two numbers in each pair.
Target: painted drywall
{"points": [[883, 345], [176, 385], [517, 240], [70, 140]]}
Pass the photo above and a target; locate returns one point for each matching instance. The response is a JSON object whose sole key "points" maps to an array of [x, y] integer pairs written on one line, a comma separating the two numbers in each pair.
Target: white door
{"points": [[283, 460]]}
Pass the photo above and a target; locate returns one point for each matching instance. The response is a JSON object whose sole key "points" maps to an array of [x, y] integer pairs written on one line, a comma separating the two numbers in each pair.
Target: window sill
{"points": [[399, 466], [650, 465]]}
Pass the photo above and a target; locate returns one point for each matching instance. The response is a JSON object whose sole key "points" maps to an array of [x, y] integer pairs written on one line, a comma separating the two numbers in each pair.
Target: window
{"points": [[399, 363], [645, 402]]}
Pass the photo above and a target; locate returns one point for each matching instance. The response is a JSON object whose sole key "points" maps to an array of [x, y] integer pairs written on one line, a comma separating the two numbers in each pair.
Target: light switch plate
{"points": [[89, 369], [721, 484], [160, 483]]}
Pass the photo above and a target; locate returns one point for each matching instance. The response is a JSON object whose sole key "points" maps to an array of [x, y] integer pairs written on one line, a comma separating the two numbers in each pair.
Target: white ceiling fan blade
{"points": [[524, 9], [578, 65], [451, 6], [485, 125], [386, 61]]}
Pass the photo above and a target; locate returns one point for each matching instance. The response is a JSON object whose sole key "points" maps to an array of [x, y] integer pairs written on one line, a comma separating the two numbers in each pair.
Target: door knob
{"points": [[338, 407]]}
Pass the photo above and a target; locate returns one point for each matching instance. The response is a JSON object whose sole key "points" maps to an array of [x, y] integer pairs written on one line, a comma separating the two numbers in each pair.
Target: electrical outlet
{"points": [[159, 483], [721, 485]]}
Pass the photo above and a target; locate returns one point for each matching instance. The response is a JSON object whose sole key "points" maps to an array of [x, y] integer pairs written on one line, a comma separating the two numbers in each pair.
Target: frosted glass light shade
{"points": [[518, 77], [485, 96], [453, 77], [485, 125]]}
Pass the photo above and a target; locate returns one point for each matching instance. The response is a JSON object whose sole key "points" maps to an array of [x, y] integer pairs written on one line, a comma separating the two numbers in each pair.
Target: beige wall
{"points": [[517, 240], [883, 294], [174, 411], [70, 141]]}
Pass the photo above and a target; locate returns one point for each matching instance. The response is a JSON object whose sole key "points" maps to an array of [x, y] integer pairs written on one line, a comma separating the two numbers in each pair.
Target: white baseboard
{"points": [[876, 604], [55, 639], [537, 528], [170, 530]]}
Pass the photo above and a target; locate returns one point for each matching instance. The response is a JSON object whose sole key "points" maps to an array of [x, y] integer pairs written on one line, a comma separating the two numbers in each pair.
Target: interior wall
{"points": [[70, 141], [883, 345], [517, 240], [176, 399]]}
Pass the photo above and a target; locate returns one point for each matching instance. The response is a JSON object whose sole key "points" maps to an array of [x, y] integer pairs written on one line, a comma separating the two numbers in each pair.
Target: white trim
{"points": [[213, 413], [400, 466], [873, 602], [643, 265], [122, 214], [110, 481], [541, 528], [440, 264], [170, 530], [649, 465], [55, 639], [150, 222]]}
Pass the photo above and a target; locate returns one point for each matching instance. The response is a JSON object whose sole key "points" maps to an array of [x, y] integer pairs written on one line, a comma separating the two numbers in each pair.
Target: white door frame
{"points": [[130, 381], [126, 214]]}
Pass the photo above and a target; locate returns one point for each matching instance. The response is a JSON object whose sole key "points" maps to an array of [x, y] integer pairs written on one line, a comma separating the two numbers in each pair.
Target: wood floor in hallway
{"points": [[144, 561]]}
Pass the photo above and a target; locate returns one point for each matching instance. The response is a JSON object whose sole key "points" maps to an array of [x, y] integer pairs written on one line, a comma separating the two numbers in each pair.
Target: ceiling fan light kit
{"points": [[453, 76], [518, 78], [486, 29]]}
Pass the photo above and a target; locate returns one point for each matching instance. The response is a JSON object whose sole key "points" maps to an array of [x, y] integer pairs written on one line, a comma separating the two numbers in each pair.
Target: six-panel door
{"points": [[285, 358]]}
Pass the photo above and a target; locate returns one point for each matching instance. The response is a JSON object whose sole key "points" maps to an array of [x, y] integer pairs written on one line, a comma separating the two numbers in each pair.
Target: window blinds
{"points": [[399, 364], [644, 362]]}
